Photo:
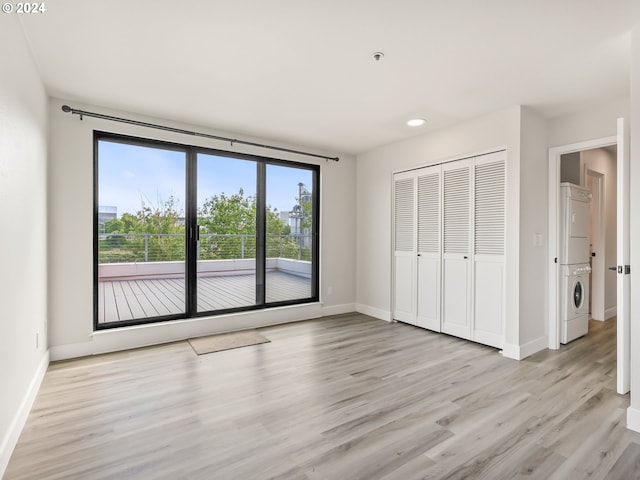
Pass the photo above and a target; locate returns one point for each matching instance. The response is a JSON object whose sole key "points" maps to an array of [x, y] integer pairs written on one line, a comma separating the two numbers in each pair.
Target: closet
{"points": [[448, 241]]}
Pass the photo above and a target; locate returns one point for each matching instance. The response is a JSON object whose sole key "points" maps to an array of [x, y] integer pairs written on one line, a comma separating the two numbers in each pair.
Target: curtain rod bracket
{"points": [[82, 113]]}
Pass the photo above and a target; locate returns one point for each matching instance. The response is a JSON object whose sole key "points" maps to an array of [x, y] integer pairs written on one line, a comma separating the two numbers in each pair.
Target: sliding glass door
{"points": [[182, 231], [140, 233], [226, 252], [289, 233]]}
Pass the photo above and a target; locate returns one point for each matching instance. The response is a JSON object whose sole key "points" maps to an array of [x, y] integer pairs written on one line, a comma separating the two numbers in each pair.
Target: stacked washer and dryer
{"points": [[574, 261]]}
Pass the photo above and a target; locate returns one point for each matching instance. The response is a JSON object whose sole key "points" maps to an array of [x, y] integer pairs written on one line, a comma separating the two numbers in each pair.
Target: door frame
{"points": [[553, 317], [598, 282], [623, 340]]}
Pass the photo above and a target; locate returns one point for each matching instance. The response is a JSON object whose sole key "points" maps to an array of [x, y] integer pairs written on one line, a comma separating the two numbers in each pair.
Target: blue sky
{"points": [[129, 175]]}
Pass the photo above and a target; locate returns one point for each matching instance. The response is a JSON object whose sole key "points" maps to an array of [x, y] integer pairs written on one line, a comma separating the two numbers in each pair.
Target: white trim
{"points": [[610, 312], [71, 350], [510, 351], [553, 323], [466, 156], [113, 340], [633, 419], [338, 309], [17, 424], [374, 312], [520, 352]]}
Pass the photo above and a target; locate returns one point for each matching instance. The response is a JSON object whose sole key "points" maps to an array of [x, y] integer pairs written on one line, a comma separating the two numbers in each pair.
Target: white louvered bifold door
{"points": [[429, 246], [456, 221], [489, 246], [404, 240]]}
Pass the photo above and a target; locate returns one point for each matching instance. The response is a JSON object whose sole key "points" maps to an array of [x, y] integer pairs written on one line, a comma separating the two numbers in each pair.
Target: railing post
{"points": [[146, 247]]}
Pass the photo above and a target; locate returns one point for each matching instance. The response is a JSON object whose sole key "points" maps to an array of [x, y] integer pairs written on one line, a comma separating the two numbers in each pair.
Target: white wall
{"points": [[533, 213], [23, 200], [590, 124], [604, 161], [586, 127], [374, 185], [633, 413], [70, 210]]}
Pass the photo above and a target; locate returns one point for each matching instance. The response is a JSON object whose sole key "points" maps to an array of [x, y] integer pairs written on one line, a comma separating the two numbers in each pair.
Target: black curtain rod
{"points": [[82, 113]]}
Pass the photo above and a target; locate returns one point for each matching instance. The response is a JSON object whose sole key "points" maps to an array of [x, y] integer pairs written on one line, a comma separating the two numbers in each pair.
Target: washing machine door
{"points": [[578, 296]]}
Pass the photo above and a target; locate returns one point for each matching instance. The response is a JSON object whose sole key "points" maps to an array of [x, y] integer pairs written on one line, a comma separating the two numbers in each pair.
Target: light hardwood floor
{"points": [[346, 397]]}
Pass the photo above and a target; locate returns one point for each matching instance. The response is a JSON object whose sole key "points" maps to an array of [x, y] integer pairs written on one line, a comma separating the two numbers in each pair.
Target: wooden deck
{"points": [[122, 300]]}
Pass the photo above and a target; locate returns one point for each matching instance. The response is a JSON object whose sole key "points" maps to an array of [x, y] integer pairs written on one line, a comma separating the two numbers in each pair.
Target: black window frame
{"points": [[191, 157]]}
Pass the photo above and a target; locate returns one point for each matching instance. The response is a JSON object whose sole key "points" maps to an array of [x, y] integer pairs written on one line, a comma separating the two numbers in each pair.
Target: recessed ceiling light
{"points": [[416, 122]]}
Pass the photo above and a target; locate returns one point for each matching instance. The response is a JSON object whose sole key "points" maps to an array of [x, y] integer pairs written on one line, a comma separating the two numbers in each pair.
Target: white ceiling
{"points": [[301, 71]]}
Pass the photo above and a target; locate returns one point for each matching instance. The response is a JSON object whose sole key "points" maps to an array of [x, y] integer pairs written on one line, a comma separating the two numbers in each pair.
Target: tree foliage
{"points": [[227, 231], [122, 245]]}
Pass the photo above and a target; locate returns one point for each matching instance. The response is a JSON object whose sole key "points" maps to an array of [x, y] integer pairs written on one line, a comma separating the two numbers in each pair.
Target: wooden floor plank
{"points": [[340, 397], [142, 298]]}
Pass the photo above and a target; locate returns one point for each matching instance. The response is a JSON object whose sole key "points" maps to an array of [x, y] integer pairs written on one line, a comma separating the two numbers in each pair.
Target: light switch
{"points": [[537, 240]]}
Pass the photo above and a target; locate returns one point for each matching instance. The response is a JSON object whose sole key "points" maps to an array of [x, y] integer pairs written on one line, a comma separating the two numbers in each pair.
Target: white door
{"points": [[624, 286], [404, 239], [489, 242], [456, 263], [429, 247]]}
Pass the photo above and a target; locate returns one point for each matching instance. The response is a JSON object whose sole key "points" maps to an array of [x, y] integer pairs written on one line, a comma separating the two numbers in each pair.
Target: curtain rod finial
{"points": [[66, 108]]}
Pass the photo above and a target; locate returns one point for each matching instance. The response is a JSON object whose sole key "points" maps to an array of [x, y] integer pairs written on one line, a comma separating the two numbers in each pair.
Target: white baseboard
{"points": [[338, 309], [510, 351], [72, 350], [633, 419], [374, 312], [610, 312], [113, 340], [15, 429], [520, 352]]}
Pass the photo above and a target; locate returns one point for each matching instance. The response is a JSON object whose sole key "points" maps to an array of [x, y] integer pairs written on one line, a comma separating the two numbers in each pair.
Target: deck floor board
{"points": [[121, 300]]}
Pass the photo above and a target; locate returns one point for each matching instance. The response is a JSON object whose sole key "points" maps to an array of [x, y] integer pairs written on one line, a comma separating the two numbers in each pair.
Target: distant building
{"points": [[296, 217], [105, 214]]}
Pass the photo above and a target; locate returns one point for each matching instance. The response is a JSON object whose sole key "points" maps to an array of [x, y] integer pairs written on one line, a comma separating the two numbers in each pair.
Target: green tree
{"points": [[227, 231], [124, 242], [228, 228]]}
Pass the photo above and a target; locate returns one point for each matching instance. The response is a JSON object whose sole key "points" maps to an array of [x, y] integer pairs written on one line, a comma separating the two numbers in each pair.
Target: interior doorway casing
{"points": [[598, 243], [553, 325]]}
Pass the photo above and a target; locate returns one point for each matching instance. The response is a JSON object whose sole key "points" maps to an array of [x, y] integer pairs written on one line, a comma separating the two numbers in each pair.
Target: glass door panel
{"points": [[226, 252], [140, 233], [289, 233]]}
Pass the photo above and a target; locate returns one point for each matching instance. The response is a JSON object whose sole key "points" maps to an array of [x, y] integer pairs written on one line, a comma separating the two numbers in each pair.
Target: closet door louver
{"points": [[429, 213], [429, 247], [489, 248], [456, 263], [405, 270], [404, 211], [456, 210], [489, 208]]}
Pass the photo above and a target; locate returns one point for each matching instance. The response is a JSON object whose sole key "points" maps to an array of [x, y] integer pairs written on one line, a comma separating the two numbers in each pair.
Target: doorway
{"points": [[622, 243]]}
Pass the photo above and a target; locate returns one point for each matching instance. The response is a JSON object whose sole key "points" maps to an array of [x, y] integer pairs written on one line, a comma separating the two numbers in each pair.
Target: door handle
{"points": [[613, 268]]}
